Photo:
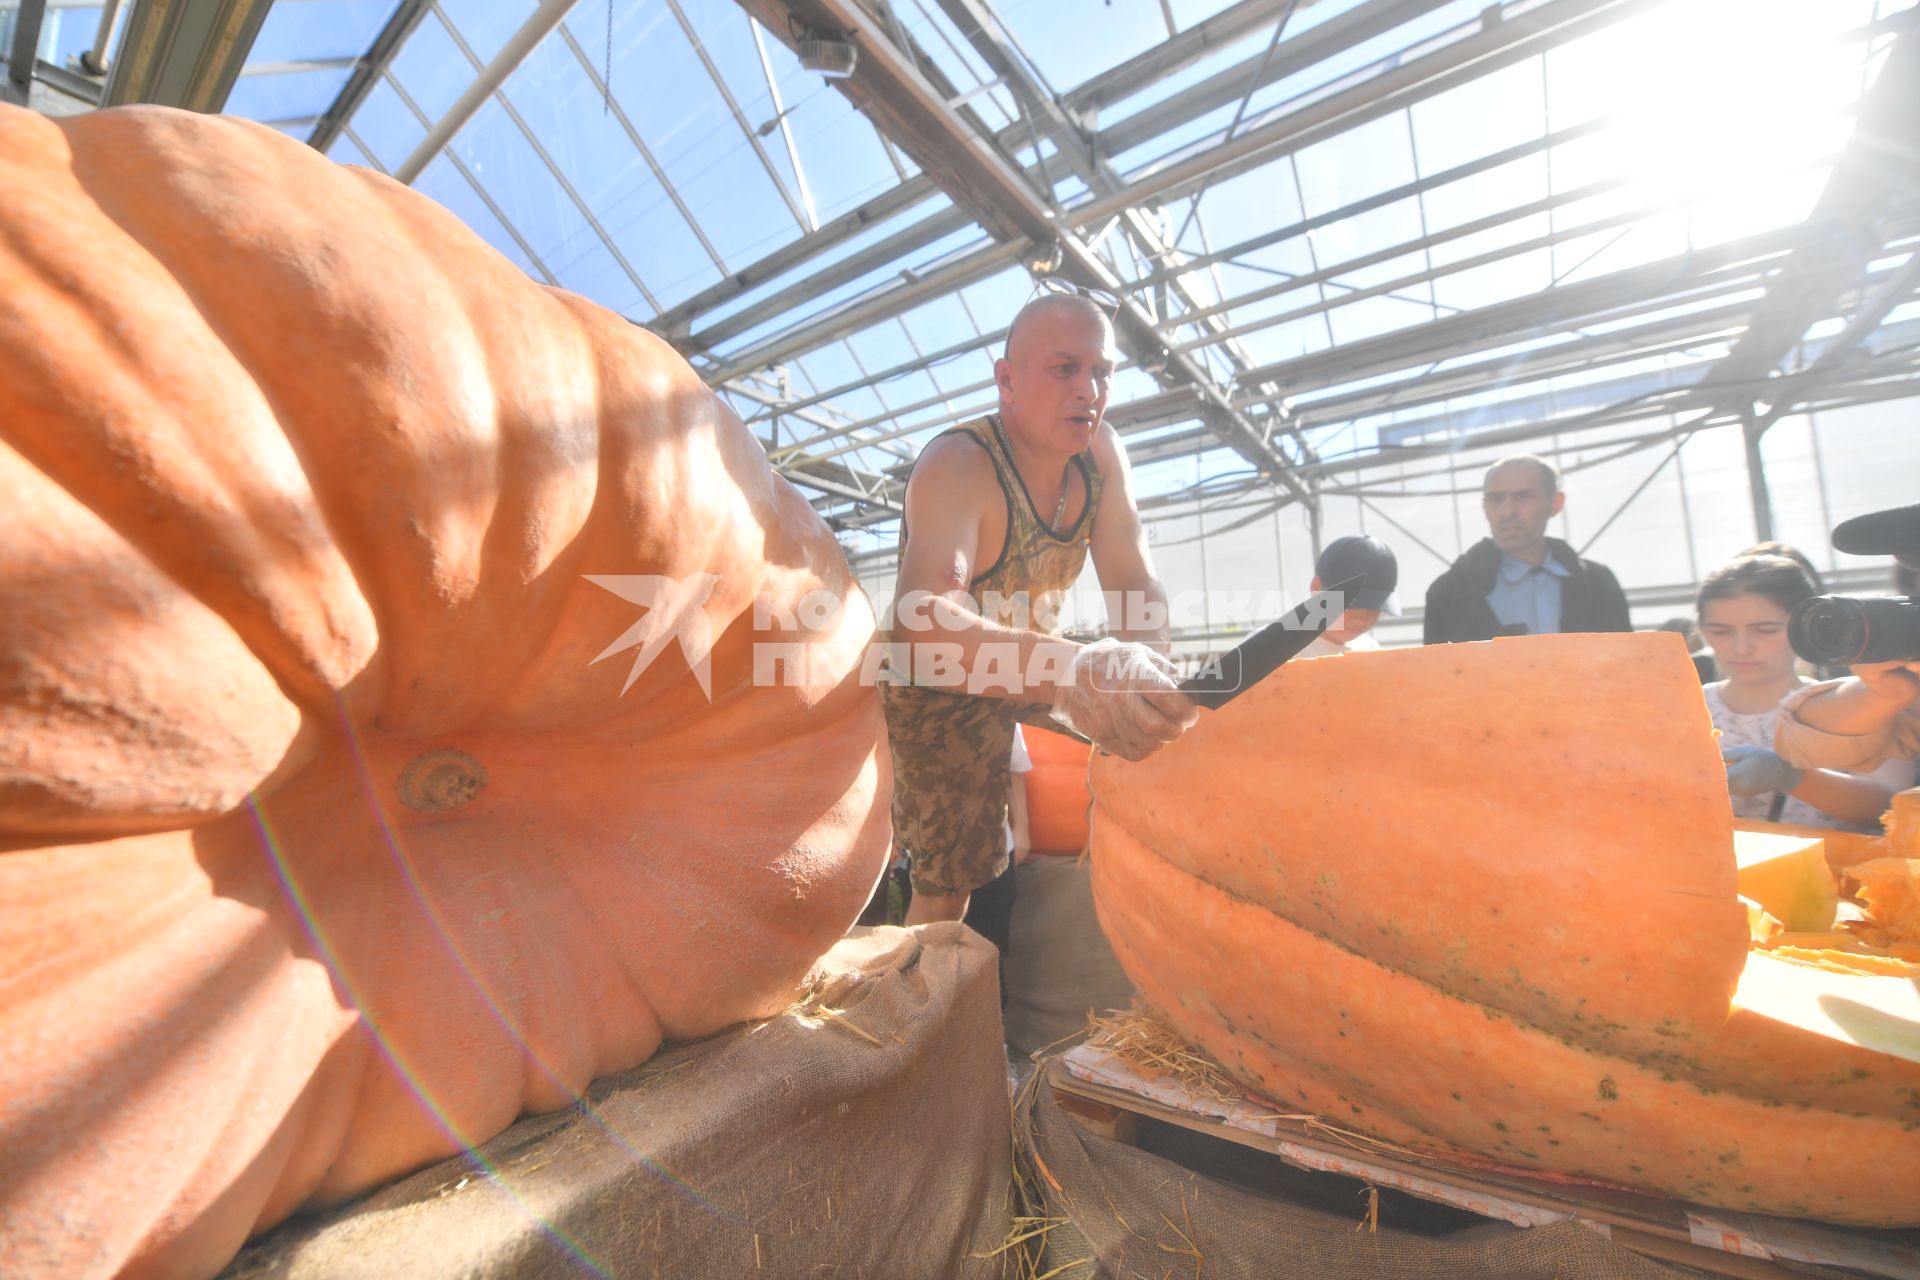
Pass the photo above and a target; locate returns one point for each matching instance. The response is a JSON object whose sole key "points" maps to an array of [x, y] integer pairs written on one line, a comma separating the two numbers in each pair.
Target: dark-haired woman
{"points": [[1743, 608]]}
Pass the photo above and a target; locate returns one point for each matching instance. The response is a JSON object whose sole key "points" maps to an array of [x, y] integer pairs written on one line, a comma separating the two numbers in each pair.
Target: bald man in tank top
{"points": [[1000, 515]]}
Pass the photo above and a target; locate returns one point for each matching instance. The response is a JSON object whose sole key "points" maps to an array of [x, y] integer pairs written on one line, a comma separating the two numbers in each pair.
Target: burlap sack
{"points": [[869, 1141], [1059, 965], [1127, 1213]]}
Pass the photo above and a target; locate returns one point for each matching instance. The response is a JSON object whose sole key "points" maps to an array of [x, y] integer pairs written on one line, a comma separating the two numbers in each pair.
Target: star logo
{"points": [[675, 610]]}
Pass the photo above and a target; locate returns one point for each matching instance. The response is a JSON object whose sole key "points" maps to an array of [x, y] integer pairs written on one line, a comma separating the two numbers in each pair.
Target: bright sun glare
{"points": [[1733, 99]]}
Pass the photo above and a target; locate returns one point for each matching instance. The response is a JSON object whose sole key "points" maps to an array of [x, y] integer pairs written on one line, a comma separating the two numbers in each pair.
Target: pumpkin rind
{"points": [[332, 846]]}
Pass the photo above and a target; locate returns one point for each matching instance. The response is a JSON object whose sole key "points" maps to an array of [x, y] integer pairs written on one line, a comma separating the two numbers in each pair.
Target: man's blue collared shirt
{"points": [[1528, 594]]}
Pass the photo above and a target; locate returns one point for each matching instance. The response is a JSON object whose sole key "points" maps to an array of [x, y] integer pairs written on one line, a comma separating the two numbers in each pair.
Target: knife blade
{"points": [[1261, 654]]}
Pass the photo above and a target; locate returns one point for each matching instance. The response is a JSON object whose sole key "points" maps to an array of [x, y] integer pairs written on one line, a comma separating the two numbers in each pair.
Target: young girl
{"points": [[1743, 608]]}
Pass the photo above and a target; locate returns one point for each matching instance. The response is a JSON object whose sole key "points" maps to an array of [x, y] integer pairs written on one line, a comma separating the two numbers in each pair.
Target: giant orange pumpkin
{"points": [[1481, 899], [1057, 797], [334, 834]]}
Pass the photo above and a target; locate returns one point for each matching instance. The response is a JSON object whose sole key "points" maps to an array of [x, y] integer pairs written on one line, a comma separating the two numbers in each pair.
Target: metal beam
{"points": [[1200, 41], [872, 258], [1196, 42], [675, 322], [25, 50], [473, 180], [837, 321], [1250, 75], [800, 476], [298, 66], [1129, 78], [890, 87], [560, 179], [919, 362], [1494, 40], [1393, 195], [183, 53], [1783, 395], [386, 46], [739, 116], [1673, 336], [612, 104], [908, 107], [1431, 73], [521, 43], [1878, 168], [1672, 281], [1073, 142], [72, 83], [1437, 64]]}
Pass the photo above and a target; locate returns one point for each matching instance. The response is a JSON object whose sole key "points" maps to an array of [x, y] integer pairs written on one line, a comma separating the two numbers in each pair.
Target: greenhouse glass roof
{"points": [[1347, 232]]}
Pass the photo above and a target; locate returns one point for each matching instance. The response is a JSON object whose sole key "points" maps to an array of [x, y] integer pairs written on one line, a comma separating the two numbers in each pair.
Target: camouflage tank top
{"points": [[950, 748]]}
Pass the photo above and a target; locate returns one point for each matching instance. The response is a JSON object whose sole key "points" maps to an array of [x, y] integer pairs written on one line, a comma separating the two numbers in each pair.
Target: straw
{"points": [[1144, 1041]]}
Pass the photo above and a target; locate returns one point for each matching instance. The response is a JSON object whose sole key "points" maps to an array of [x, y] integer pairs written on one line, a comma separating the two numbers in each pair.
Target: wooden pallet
{"points": [[1106, 1094]]}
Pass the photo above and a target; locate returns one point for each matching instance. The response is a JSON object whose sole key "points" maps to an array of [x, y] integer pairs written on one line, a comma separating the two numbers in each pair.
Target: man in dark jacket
{"points": [[1519, 581]]}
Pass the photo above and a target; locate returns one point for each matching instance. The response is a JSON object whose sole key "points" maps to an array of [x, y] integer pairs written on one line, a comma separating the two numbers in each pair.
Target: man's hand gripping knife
{"points": [[1123, 698]]}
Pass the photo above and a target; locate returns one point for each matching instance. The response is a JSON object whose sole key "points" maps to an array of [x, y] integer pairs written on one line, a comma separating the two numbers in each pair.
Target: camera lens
{"points": [[1844, 630], [1828, 630]]}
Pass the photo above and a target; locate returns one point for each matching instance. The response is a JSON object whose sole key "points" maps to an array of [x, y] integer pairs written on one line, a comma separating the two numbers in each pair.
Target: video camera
{"points": [[1841, 631]]}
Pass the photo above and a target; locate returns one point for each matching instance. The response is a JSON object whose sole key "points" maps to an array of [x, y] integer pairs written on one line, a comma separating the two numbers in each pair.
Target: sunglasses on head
{"points": [[1106, 301]]}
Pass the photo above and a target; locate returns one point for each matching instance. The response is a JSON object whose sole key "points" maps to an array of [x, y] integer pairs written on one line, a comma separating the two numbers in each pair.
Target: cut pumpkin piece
{"points": [[1830, 952], [1789, 877], [1874, 1011], [1844, 848], [1368, 1047], [1544, 806], [1890, 890], [1512, 930], [1762, 926]]}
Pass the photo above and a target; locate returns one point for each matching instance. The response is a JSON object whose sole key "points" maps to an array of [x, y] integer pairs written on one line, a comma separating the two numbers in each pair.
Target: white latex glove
{"points": [[1123, 698]]}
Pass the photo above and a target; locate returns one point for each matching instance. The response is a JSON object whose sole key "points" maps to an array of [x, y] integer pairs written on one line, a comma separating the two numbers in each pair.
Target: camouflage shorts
{"points": [[951, 770]]}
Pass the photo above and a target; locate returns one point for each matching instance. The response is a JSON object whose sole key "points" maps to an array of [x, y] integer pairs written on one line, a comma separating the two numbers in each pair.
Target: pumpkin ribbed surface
{"points": [[335, 836], [1480, 898]]}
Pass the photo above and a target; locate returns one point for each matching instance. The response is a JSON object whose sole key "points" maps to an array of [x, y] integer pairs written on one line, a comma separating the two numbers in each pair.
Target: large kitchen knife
{"points": [[1258, 656]]}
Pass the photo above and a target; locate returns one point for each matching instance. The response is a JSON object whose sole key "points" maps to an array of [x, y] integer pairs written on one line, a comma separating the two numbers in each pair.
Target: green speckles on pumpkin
{"points": [[1729, 1157], [1608, 1091], [1501, 1125]]}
